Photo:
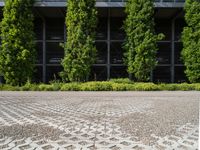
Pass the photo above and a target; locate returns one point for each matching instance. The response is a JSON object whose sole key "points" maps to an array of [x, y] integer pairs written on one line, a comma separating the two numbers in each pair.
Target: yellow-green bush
{"points": [[197, 87], [122, 80], [9, 88], [96, 86], [29, 87], [114, 85], [145, 87], [45, 87], [70, 87]]}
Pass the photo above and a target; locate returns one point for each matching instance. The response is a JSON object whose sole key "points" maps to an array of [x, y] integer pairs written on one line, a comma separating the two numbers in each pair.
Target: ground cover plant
{"points": [[112, 85]]}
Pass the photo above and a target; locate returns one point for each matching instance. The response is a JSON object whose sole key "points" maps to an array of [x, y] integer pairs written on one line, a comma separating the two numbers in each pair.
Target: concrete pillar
{"points": [[108, 45], [44, 51]]}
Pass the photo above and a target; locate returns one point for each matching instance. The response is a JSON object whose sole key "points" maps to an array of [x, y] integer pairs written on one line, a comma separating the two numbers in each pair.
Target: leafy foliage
{"points": [[191, 40], [17, 54], [80, 48], [113, 85], [140, 45]]}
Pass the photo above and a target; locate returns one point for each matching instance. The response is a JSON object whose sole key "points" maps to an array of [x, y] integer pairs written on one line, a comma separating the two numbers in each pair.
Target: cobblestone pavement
{"points": [[99, 120]]}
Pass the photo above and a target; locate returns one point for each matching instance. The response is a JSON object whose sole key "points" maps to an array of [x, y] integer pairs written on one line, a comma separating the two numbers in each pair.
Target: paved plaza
{"points": [[99, 120]]}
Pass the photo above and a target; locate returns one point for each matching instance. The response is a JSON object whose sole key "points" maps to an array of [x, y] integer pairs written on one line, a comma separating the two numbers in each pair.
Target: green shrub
{"points": [[29, 87], [186, 87], [45, 87], [141, 39], [145, 87], [168, 87], [191, 41], [177, 87], [96, 86], [122, 80], [56, 86], [121, 86], [197, 87], [9, 88], [80, 50], [70, 87], [102, 86], [17, 54]]}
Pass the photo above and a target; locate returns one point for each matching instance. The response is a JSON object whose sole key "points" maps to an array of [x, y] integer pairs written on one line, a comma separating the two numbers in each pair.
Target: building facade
{"points": [[50, 31]]}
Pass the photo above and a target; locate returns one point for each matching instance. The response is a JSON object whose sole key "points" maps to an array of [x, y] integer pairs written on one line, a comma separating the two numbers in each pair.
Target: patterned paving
{"points": [[99, 121]]}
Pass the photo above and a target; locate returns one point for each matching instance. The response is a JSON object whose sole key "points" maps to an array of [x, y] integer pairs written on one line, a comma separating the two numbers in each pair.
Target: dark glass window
{"points": [[162, 74], [98, 73], [116, 53], [38, 28], [180, 75], [37, 77], [178, 49], [118, 72], [101, 53], [39, 50], [164, 26], [55, 29], [53, 73], [179, 25], [116, 31], [54, 53], [101, 33], [164, 53]]}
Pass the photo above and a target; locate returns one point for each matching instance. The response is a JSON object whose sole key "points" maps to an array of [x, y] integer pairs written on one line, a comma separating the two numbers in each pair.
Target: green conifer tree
{"points": [[80, 51], [191, 40], [17, 53], [141, 40]]}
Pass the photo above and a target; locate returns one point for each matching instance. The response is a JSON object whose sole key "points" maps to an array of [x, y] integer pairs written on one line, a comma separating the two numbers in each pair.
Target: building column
{"points": [[44, 51], [173, 51], [108, 45], [151, 76]]}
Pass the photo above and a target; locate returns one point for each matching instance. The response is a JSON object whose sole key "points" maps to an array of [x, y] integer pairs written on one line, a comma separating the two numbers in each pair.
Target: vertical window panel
{"points": [[177, 53], [116, 24], [55, 29], [179, 25], [163, 26], [37, 76], [39, 50], [116, 53], [180, 75], [38, 28], [101, 33], [98, 73], [53, 73], [164, 53], [102, 53], [162, 74], [118, 72], [54, 53]]}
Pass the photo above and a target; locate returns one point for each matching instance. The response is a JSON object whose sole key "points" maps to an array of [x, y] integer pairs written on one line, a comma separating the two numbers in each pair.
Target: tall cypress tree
{"points": [[140, 45], [80, 48], [191, 40], [17, 54]]}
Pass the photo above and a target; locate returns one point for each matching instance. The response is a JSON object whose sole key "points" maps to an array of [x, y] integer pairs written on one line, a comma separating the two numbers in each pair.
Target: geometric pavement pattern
{"points": [[99, 120]]}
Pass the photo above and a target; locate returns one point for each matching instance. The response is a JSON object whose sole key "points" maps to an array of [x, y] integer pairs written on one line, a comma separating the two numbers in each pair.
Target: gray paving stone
{"points": [[99, 120]]}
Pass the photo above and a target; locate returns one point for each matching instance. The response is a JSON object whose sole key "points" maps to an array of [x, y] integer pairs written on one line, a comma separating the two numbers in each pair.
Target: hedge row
{"points": [[113, 85]]}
